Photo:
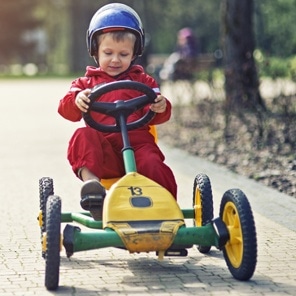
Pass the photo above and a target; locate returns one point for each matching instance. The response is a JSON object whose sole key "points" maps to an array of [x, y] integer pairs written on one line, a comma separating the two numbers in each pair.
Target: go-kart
{"points": [[141, 216]]}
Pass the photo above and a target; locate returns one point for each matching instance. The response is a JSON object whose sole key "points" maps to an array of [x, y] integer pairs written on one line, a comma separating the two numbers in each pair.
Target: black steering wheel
{"points": [[120, 108]]}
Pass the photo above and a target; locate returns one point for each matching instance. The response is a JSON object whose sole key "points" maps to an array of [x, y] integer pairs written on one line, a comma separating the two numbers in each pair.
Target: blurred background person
{"points": [[181, 64]]}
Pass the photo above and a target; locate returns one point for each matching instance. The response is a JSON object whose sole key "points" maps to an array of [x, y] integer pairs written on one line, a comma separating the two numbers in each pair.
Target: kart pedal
{"points": [[175, 253], [92, 195]]}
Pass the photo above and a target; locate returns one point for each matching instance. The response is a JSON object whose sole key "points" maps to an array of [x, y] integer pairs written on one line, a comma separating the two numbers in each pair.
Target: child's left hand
{"points": [[160, 104]]}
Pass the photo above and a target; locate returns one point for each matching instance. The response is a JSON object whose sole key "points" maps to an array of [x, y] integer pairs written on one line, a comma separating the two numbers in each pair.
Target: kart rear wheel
{"points": [[240, 252], [53, 242], [45, 190], [202, 204]]}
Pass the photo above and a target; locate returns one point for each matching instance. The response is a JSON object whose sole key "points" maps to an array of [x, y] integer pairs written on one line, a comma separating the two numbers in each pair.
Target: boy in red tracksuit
{"points": [[115, 38]]}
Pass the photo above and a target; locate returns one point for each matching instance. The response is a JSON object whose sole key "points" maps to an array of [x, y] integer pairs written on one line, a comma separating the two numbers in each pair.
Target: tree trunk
{"points": [[241, 79]]}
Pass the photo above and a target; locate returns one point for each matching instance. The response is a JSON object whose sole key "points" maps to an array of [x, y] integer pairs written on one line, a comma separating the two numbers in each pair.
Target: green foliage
{"points": [[275, 27], [292, 66], [275, 66]]}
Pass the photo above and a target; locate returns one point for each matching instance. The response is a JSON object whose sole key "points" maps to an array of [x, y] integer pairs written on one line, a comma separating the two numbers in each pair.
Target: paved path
{"points": [[33, 144]]}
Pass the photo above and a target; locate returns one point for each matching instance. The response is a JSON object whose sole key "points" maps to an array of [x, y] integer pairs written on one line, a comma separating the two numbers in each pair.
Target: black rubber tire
{"points": [[240, 252], [45, 190], [203, 203], [53, 242]]}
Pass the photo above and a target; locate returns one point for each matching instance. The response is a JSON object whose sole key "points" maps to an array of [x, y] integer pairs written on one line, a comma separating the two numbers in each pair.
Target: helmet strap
{"points": [[96, 60]]}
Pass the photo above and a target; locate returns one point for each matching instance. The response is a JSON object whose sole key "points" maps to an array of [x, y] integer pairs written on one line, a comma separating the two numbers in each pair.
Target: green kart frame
{"points": [[233, 231]]}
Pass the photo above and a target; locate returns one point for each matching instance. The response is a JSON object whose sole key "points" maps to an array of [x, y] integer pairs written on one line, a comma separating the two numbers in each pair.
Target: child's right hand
{"points": [[82, 100]]}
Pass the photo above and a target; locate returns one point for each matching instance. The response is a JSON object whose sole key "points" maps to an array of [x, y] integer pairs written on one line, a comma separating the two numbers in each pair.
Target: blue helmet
{"points": [[111, 17]]}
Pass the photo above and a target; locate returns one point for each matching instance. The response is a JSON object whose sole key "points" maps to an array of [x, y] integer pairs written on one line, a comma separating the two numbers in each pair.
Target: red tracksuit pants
{"points": [[102, 156]]}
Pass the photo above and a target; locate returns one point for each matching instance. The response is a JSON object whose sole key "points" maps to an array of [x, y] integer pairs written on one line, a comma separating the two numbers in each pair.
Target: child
{"points": [[115, 38]]}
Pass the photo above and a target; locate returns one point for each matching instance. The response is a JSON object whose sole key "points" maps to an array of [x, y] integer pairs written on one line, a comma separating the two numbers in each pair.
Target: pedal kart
{"points": [[141, 216]]}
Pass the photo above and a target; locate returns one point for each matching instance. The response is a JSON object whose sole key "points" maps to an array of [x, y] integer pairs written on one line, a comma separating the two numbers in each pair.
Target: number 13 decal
{"points": [[135, 190]]}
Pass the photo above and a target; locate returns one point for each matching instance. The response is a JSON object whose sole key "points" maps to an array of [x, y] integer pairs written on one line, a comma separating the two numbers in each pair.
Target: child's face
{"points": [[115, 56]]}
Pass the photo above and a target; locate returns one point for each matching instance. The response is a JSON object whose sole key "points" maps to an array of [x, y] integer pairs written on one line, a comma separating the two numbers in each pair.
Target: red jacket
{"points": [[95, 76], [100, 152]]}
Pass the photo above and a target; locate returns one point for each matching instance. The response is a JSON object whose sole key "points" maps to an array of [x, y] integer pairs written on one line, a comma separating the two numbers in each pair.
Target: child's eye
{"points": [[124, 54]]}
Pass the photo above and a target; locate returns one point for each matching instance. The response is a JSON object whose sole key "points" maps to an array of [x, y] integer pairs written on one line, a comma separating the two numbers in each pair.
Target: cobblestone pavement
{"points": [[33, 144]]}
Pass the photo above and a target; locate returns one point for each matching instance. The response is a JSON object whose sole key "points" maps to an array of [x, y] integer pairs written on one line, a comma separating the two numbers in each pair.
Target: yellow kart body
{"points": [[145, 215]]}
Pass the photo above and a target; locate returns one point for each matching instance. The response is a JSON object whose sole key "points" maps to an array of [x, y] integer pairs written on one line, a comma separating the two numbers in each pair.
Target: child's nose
{"points": [[115, 58]]}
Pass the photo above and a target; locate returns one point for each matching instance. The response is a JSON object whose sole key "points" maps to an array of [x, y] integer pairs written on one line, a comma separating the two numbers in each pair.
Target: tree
{"points": [[16, 19], [241, 79]]}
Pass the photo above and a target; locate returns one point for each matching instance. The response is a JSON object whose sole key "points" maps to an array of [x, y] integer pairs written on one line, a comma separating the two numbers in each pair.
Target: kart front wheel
{"points": [[240, 252], [202, 205], [53, 242]]}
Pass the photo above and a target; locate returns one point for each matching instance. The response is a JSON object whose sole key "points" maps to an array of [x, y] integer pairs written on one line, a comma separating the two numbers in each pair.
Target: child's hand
{"points": [[82, 100], [160, 104]]}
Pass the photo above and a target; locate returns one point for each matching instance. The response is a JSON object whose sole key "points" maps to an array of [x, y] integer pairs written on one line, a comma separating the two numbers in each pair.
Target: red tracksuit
{"points": [[101, 152]]}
